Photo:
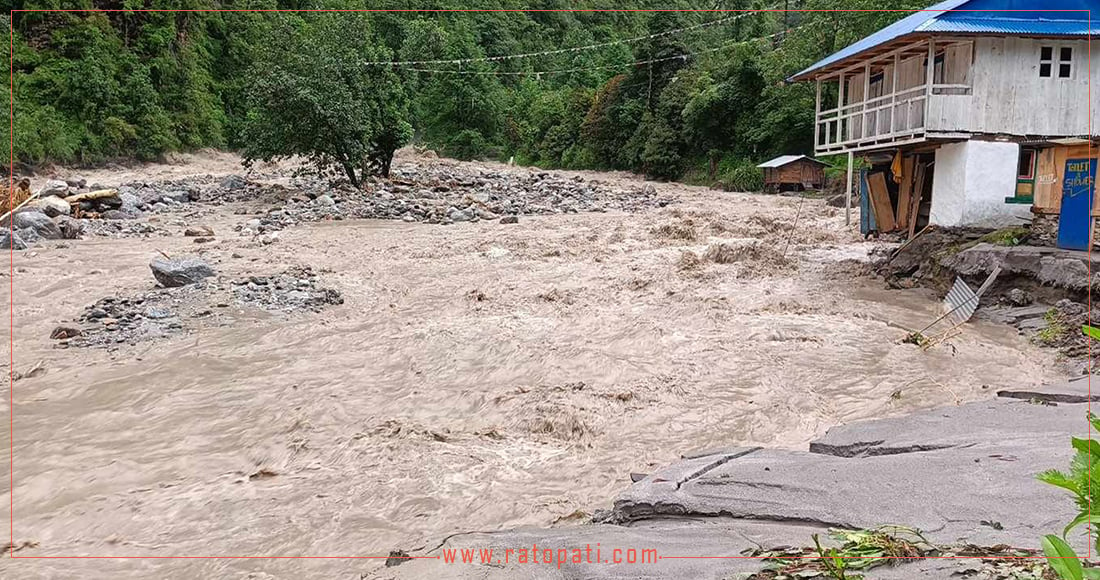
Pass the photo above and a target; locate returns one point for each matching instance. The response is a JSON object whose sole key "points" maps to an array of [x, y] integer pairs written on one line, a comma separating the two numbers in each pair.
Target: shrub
{"points": [[466, 144], [742, 175]]}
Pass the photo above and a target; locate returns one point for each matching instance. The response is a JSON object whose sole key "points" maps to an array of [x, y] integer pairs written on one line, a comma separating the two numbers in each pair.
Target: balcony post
{"points": [[866, 96], [930, 77], [840, 119], [817, 116], [848, 192], [894, 91]]}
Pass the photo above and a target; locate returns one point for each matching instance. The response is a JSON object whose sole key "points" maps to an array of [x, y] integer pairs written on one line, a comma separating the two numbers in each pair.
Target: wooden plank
{"points": [[880, 202], [915, 197], [904, 190]]}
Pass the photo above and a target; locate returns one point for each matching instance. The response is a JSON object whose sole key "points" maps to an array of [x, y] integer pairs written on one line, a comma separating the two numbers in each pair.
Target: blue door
{"points": [[1074, 224]]}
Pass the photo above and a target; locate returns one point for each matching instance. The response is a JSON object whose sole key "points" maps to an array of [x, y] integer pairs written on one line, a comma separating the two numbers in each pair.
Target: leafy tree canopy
{"points": [[706, 101]]}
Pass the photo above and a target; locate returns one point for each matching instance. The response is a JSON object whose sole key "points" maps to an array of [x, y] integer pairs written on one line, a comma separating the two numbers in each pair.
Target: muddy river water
{"points": [[478, 376]]}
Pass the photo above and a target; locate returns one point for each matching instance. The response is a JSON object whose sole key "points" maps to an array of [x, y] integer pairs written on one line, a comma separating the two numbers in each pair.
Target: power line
{"points": [[607, 67], [407, 63]]}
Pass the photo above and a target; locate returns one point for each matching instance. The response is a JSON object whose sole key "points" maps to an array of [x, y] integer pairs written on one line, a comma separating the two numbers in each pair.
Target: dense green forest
{"points": [[705, 103]]}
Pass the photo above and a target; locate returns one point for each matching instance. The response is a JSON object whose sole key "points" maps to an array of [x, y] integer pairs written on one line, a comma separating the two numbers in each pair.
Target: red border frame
{"points": [[11, 311]]}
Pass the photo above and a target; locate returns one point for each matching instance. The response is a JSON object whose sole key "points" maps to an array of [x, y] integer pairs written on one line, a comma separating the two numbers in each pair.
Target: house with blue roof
{"points": [[976, 112]]}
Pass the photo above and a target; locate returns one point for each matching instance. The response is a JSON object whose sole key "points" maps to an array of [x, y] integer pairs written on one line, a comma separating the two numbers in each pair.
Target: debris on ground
{"points": [[435, 193], [294, 289], [112, 321], [851, 553]]}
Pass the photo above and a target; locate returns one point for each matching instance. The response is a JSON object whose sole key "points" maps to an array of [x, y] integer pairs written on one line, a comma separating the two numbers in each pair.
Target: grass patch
{"points": [[1055, 330], [1006, 236]]}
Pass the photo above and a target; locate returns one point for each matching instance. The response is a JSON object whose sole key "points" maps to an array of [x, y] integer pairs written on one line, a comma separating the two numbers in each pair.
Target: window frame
{"points": [[1030, 175], [1055, 62], [1029, 178], [1065, 62]]}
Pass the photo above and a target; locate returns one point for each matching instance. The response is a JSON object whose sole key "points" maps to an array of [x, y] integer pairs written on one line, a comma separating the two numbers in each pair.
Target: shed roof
{"points": [[1004, 17], [785, 159]]}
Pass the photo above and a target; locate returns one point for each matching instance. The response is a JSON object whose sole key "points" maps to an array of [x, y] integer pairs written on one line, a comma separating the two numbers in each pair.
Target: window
{"points": [[1064, 62], [1026, 169], [1046, 61], [875, 86], [1025, 176]]}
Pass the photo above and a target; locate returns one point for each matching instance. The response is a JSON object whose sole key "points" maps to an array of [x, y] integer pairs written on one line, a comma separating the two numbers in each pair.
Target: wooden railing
{"points": [[888, 118]]}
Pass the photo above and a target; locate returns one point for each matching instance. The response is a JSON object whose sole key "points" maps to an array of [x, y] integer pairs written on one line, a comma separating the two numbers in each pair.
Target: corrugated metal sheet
{"points": [[785, 159], [1037, 17], [1009, 26], [960, 303]]}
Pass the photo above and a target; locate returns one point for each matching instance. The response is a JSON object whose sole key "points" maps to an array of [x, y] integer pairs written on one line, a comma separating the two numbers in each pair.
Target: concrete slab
{"points": [[1034, 424], [1050, 266], [946, 493], [1072, 391]]}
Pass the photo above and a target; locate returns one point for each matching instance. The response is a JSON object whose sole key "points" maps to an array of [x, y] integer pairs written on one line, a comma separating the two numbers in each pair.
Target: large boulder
{"points": [[70, 228], [10, 241], [33, 219], [233, 182], [180, 271], [55, 187], [52, 206], [131, 203]]}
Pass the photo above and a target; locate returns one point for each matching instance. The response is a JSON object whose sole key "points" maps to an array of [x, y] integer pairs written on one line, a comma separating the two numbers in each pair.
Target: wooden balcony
{"points": [[885, 100]]}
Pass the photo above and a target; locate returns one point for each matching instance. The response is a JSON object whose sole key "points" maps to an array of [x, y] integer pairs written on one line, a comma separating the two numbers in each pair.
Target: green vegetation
{"points": [[1056, 329], [856, 551], [709, 102], [1078, 480], [314, 97], [1084, 467], [1006, 236]]}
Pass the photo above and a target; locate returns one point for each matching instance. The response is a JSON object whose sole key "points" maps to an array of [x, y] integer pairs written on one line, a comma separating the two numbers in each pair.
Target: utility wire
{"points": [[684, 56], [406, 63]]}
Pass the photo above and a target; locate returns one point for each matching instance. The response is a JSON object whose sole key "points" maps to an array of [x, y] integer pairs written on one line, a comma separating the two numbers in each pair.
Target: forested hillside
{"points": [[705, 102]]}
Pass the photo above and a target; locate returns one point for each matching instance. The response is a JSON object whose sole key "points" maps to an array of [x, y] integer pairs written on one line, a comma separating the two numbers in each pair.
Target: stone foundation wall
{"points": [[1044, 230]]}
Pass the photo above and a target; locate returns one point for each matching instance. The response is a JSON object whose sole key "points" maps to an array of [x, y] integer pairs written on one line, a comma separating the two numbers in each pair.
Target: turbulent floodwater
{"points": [[478, 376]]}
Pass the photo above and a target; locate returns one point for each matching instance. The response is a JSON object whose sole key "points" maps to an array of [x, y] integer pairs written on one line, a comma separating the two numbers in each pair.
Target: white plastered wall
{"points": [[970, 183]]}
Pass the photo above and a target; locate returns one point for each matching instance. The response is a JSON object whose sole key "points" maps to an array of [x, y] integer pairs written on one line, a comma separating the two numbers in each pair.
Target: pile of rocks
{"points": [[441, 194], [294, 289], [68, 209], [28, 225], [112, 321], [431, 192]]}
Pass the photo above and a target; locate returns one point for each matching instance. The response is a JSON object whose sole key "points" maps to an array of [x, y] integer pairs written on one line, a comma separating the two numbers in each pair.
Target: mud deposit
{"points": [[477, 376]]}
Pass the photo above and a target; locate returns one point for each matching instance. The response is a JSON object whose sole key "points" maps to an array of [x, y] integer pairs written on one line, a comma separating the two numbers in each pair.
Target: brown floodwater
{"points": [[477, 377]]}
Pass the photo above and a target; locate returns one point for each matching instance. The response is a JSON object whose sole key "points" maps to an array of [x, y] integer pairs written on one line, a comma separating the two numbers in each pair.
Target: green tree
{"points": [[314, 94]]}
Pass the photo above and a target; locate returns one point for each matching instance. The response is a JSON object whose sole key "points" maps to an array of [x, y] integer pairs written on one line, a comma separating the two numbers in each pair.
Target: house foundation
{"points": [[972, 183]]}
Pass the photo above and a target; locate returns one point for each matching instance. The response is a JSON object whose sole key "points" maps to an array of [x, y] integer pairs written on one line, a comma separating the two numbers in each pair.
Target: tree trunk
{"points": [[349, 169]]}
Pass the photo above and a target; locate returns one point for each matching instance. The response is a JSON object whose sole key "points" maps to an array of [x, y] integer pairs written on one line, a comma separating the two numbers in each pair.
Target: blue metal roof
{"points": [[1030, 17]]}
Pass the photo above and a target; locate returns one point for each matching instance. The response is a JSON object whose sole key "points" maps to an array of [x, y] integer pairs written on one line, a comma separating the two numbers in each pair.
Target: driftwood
{"points": [[98, 194]]}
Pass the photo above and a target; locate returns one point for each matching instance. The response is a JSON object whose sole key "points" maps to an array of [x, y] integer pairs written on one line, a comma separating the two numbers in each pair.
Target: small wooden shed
{"points": [[793, 173]]}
